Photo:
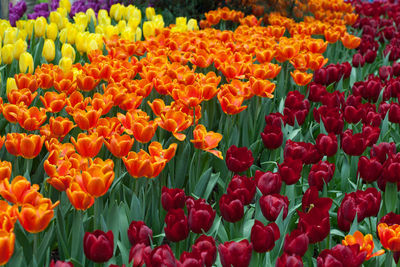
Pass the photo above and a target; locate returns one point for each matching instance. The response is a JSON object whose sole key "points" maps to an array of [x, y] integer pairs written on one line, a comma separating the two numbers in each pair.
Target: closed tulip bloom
{"points": [[7, 52], [150, 13], [20, 191], [7, 241], [353, 144], [79, 198], [200, 216], [88, 145], [139, 254], [20, 47], [231, 208], [5, 169], [205, 246], [177, 227], [239, 159], [27, 146], [11, 85], [98, 245], [190, 259], [97, 179], [287, 260], [263, 237], [341, 255], [268, 182], [236, 254], [272, 205], [315, 224], [68, 51], [290, 170], [139, 233], [119, 145], [369, 169], [148, 29], [86, 119], [327, 144], [49, 50], [296, 243], [26, 63], [320, 174], [40, 26], [172, 198], [243, 188], [36, 218], [350, 41], [162, 256], [65, 64]]}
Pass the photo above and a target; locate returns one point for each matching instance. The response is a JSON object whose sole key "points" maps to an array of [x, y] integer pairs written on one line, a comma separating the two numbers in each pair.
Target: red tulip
{"points": [[172, 198], [177, 227], [243, 188], [268, 182], [231, 208], [139, 232], [263, 237], [98, 246], [236, 254], [272, 205], [201, 216], [205, 246]]}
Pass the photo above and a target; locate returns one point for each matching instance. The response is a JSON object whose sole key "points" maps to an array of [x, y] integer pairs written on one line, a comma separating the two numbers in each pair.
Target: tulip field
{"points": [[256, 134]]}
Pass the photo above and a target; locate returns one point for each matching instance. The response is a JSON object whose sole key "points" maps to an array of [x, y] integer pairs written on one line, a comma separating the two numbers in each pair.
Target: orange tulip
{"points": [[230, 103], [86, 82], [27, 146], [202, 58], [317, 61], [97, 179], [32, 118], [157, 106], [332, 36], [286, 51], [300, 62], [76, 101], [86, 119], [175, 122], [53, 101], [350, 18], [17, 96], [58, 127], [144, 130], [160, 154], [366, 244], [36, 218], [206, 140], [56, 165], [350, 41], [389, 236], [265, 55], [2, 139], [108, 126], [45, 80], [20, 191], [103, 102], [119, 145], [262, 88], [7, 241], [65, 85], [11, 111], [26, 81], [131, 101], [190, 95], [141, 164], [65, 150], [233, 70], [301, 78], [88, 146], [5, 170], [8, 216], [316, 45], [80, 199]]}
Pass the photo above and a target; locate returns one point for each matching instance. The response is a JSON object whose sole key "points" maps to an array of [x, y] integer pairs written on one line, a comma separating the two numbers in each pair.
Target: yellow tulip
{"points": [[81, 18], [158, 22], [20, 24], [22, 34], [10, 35], [91, 16], [91, 43], [63, 12], [7, 52], [192, 25], [150, 13], [29, 27], [103, 17], [110, 30], [99, 29], [68, 35], [40, 26], [65, 4], [128, 34], [68, 51], [133, 12], [26, 63], [81, 41], [180, 21], [20, 47], [138, 34], [4, 25], [121, 25], [52, 31], [65, 64], [133, 22], [148, 29], [11, 84], [1, 41], [49, 50], [57, 18]]}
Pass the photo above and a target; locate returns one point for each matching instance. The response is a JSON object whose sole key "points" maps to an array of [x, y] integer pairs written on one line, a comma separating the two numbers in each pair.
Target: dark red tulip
{"points": [[331, 117], [321, 173], [61, 264], [353, 144], [316, 92], [363, 203], [139, 232], [312, 200], [290, 170], [231, 208], [371, 134], [272, 136], [263, 237], [345, 69], [390, 219], [205, 246], [327, 144], [396, 68], [190, 259], [333, 100], [320, 76], [239, 159], [177, 227], [268, 182], [370, 56], [243, 188], [139, 253], [98, 246], [369, 169], [332, 73], [382, 151], [201, 216], [296, 107], [272, 205], [385, 72], [296, 243], [391, 169], [236, 254], [341, 255], [372, 118], [162, 256], [315, 224], [306, 152], [394, 113], [172, 198], [287, 260], [358, 60]]}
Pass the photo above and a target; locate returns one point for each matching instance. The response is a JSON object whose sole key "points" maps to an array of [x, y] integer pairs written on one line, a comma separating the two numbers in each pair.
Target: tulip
{"points": [[175, 122], [320, 174], [88, 145], [353, 145], [263, 237], [287, 260], [301, 78], [20, 191], [272, 205], [40, 26], [20, 47], [200, 216], [238, 159], [86, 119], [290, 170], [296, 243], [148, 29], [369, 169], [206, 140], [268, 182], [327, 144], [68, 51], [173, 198], [205, 246], [98, 246], [36, 218], [65, 64], [177, 227], [119, 145], [190, 259], [7, 53], [229, 255], [26, 63], [139, 233], [366, 244], [350, 41], [5, 169], [80, 199], [27, 146], [341, 255], [315, 224], [143, 165], [390, 219], [162, 256], [49, 50], [242, 188], [231, 208], [32, 118], [7, 241], [139, 254]]}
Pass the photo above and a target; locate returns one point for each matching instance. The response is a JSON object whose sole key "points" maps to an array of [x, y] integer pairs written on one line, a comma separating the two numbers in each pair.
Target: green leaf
{"points": [[45, 243], [391, 197], [202, 183], [211, 184]]}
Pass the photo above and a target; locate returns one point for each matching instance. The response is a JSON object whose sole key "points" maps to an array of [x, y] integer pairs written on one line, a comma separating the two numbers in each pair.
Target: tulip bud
{"points": [[296, 243], [139, 233], [229, 255], [201, 216], [205, 246], [138, 34], [52, 31], [150, 13], [49, 50], [7, 53], [263, 237], [268, 182], [26, 63], [40, 26], [148, 29], [11, 84], [231, 208], [177, 227], [272, 205], [65, 64], [20, 46], [98, 246], [290, 170], [68, 51], [173, 198]]}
